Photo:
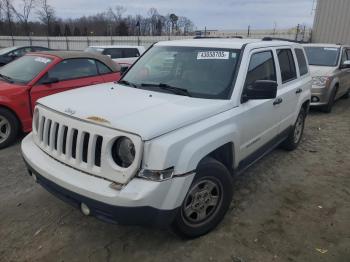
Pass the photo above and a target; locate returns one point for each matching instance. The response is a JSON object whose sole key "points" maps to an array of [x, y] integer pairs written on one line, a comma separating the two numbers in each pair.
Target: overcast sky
{"points": [[215, 14]]}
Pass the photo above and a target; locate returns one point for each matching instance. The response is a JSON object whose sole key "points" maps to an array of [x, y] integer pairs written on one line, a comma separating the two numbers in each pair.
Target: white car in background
{"points": [[330, 70], [125, 55]]}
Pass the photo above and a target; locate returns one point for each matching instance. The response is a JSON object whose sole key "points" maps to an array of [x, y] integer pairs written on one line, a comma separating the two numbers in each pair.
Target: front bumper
{"points": [[322, 95], [140, 202]]}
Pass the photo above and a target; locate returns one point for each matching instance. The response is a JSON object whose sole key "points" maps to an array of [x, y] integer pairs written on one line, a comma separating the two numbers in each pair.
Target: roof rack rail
{"points": [[269, 38]]}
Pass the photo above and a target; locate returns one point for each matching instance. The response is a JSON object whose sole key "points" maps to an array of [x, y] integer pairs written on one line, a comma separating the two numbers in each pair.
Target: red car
{"points": [[36, 75]]}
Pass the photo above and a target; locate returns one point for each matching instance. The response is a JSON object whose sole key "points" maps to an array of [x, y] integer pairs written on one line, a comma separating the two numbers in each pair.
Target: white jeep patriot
{"points": [[161, 146]]}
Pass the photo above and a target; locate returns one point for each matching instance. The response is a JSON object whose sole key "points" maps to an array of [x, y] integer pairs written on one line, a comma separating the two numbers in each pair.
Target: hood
{"points": [[322, 70], [142, 112]]}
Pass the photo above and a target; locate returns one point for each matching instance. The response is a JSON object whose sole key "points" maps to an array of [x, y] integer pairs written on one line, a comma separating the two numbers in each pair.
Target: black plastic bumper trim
{"points": [[144, 215]]}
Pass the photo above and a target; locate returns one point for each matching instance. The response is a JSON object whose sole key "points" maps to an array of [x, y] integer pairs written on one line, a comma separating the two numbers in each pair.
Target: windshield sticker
{"points": [[42, 60], [330, 49], [213, 55]]}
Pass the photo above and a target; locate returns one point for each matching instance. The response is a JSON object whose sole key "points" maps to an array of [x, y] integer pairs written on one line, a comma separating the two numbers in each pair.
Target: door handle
{"points": [[278, 101], [299, 90]]}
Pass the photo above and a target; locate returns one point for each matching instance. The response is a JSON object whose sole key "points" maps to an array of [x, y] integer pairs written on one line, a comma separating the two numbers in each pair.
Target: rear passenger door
{"points": [[289, 87]]}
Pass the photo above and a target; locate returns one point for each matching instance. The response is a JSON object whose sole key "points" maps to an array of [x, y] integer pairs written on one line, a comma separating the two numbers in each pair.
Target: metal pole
{"points": [[297, 32], [67, 43], [248, 33]]}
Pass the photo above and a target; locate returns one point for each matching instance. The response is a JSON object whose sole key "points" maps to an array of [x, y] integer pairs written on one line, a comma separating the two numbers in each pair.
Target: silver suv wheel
{"points": [[202, 201]]}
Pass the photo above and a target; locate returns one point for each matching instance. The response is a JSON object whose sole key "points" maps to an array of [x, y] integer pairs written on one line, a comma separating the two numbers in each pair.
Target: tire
{"points": [[206, 201], [296, 134], [328, 108], [9, 127]]}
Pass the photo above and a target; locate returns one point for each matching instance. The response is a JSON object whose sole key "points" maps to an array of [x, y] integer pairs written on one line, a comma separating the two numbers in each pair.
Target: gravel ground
{"points": [[290, 206]]}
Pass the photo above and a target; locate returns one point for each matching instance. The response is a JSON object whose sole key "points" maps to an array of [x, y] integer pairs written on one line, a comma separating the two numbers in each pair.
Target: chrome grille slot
{"points": [[55, 135], [86, 140], [83, 145], [64, 139], [98, 148], [74, 143], [41, 128]]}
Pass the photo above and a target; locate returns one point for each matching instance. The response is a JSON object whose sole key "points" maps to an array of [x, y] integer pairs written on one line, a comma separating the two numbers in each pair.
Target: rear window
{"points": [[322, 56], [301, 61], [131, 52], [287, 65], [113, 52]]}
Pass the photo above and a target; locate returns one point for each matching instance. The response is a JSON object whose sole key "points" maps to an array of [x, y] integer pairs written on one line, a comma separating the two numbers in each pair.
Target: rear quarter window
{"points": [[301, 61]]}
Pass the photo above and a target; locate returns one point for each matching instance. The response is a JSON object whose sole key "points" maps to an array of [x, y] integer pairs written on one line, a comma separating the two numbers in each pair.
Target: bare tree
{"points": [[6, 6], [23, 14], [46, 15]]}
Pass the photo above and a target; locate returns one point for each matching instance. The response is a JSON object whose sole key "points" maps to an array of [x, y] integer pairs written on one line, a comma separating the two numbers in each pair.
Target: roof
{"points": [[234, 43], [116, 46], [323, 45], [80, 54]]}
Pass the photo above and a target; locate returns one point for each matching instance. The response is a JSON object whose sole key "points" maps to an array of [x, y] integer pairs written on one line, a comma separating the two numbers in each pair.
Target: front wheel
{"points": [[9, 127], [207, 200], [295, 135]]}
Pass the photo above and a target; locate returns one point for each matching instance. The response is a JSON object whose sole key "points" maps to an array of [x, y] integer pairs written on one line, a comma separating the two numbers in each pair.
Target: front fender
{"points": [[183, 149]]}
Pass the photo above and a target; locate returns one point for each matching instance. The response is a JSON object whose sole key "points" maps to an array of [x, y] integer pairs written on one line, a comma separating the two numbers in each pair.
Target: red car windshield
{"points": [[24, 69]]}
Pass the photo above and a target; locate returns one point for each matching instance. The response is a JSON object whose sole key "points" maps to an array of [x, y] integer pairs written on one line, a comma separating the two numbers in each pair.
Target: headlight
{"points": [[36, 120], [156, 175], [320, 80], [123, 152]]}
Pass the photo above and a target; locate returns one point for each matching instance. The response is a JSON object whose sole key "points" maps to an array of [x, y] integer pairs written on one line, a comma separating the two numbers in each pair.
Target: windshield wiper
{"points": [[127, 83], [7, 78], [173, 89]]}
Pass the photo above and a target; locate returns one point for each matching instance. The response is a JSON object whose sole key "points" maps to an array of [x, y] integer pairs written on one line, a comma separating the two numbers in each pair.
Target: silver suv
{"points": [[330, 70]]}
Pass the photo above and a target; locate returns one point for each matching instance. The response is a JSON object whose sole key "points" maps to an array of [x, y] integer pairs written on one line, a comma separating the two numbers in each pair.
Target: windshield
{"points": [[200, 72], [322, 56], [24, 69]]}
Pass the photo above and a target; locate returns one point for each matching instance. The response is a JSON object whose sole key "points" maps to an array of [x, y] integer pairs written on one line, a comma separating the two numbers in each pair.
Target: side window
{"points": [[301, 61], [345, 56], [113, 52], [74, 68], [287, 65], [348, 53], [261, 67], [131, 52], [102, 68]]}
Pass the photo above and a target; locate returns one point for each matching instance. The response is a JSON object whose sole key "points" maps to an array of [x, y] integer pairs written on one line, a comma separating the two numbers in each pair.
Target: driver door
{"points": [[66, 75]]}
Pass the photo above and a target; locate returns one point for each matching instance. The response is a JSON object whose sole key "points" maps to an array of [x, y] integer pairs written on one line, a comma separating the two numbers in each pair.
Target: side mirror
{"points": [[345, 65], [260, 89], [49, 80]]}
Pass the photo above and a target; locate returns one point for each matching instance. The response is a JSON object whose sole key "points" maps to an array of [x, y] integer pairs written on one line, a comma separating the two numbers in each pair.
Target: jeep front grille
{"points": [[83, 145], [70, 142]]}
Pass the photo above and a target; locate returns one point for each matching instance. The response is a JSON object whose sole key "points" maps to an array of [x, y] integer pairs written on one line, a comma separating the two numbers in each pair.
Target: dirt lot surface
{"points": [[290, 206]]}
